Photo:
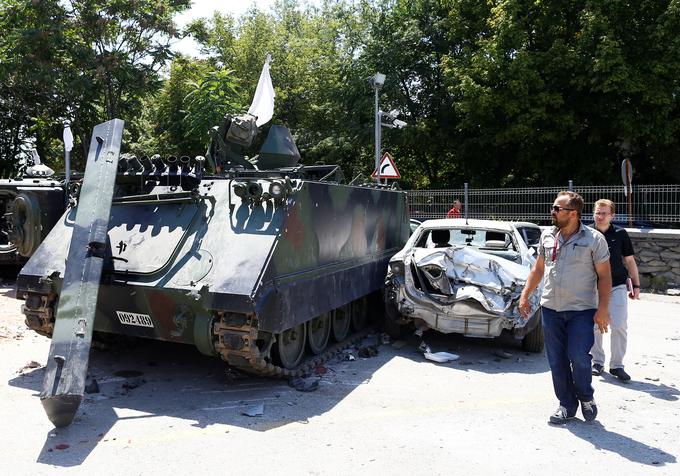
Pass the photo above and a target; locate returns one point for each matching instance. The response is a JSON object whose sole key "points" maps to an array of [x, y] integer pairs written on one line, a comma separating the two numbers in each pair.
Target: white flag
{"points": [[68, 138], [263, 102]]}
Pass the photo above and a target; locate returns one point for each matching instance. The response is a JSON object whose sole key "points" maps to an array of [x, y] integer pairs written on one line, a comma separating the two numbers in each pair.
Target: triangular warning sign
{"points": [[387, 168]]}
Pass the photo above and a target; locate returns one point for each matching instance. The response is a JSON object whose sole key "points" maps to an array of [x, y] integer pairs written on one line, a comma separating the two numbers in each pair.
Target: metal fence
{"points": [[652, 205]]}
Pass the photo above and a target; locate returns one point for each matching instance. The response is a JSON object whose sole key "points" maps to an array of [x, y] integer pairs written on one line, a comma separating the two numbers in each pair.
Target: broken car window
{"points": [[494, 242]]}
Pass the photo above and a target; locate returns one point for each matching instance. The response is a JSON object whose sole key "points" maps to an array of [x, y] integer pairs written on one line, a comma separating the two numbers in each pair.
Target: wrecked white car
{"points": [[466, 277]]}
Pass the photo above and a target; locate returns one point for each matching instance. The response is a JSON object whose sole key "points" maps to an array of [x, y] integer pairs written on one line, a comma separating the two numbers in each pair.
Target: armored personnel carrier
{"points": [[30, 205], [263, 262]]}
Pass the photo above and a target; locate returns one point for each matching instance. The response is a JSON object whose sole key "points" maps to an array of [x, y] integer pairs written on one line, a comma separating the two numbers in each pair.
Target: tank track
{"points": [[238, 346], [236, 338], [39, 311]]}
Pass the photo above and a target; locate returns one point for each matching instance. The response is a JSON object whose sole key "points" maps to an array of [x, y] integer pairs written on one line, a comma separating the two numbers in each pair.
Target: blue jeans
{"points": [[568, 340]]}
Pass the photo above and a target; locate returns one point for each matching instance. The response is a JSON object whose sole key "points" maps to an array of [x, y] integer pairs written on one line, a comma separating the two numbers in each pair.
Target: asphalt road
{"points": [[164, 409]]}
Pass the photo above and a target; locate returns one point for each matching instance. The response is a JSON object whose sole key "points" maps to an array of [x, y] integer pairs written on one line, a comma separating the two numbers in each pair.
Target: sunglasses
{"points": [[557, 209]]}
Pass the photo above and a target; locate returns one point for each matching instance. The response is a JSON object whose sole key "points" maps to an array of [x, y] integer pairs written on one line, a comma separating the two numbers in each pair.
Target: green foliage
{"points": [[558, 90], [208, 101], [30, 67], [497, 93], [85, 60]]}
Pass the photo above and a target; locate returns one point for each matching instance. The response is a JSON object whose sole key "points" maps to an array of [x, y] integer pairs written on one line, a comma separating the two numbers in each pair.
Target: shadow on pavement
{"points": [[151, 379], [632, 450], [498, 355], [660, 391]]}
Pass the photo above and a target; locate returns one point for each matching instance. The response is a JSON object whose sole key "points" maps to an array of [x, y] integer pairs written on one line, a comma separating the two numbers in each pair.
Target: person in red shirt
{"points": [[455, 210]]}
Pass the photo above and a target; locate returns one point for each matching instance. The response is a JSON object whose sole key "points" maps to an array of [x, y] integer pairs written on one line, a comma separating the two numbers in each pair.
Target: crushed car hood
{"points": [[461, 272]]}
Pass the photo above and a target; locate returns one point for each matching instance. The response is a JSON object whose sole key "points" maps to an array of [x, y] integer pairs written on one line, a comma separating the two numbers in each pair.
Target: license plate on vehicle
{"points": [[134, 319]]}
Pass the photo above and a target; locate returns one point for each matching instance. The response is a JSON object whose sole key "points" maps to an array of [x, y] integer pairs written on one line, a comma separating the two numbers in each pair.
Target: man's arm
{"points": [[604, 290], [535, 276], [631, 266]]}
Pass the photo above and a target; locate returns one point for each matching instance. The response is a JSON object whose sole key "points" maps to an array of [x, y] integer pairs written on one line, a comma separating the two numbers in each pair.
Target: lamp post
{"points": [[377, 81]]}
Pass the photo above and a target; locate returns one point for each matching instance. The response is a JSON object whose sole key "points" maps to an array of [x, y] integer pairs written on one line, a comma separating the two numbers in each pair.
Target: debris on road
{"points": [[91, 385], [31, 365], [503, 354], [320, 370], [304, 384], [368, 351], [254, 410], [232, 375], [441, 357], [423, 348]]}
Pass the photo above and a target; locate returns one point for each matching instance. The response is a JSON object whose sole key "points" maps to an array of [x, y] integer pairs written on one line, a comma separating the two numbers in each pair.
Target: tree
{"points": [[86, 60], [176, 120], [32, 61], [551, 91]]}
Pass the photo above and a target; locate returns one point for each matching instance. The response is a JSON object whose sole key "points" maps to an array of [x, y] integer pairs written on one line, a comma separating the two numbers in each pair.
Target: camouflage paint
{"points": [[183, 247], [29, 208], [327, 245]]}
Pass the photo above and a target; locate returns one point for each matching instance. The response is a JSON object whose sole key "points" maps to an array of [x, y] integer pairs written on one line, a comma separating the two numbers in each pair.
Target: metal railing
{"points": [[652, 205]]}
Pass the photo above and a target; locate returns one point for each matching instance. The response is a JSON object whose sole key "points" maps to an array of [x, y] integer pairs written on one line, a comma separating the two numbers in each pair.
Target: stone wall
{"points": [[657, 253]]}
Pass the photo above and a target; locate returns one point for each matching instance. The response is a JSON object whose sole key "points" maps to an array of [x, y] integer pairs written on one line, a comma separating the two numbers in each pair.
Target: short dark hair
{"points": [[575, 201]]}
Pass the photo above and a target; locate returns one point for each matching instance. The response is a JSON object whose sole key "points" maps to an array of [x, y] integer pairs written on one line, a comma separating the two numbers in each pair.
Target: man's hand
{"points": [[604, 291], [524, 307], [601, 318], [635, 294], [534, 279]]}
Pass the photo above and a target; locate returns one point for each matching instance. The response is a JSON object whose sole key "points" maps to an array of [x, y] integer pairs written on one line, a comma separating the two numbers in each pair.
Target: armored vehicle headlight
{"points": [[254, 190], [240, 189], [277, 190]]}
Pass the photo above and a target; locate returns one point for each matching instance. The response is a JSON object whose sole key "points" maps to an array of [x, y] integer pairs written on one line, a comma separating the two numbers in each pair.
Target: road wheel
{"points": [[318, 332], [534, 340], [359, 314], [340, 322], [290, 346]]}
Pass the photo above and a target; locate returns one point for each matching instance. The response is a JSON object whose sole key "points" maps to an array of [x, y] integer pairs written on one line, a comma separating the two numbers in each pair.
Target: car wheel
{"points": [[394, 330], [390, 323], [534, 340]]}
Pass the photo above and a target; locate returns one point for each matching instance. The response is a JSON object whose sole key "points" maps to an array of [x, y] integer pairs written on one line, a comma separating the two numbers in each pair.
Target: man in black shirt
{"points": [[623, 266]]}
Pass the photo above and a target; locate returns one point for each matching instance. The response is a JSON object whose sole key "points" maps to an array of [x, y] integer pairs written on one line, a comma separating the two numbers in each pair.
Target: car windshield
{"points": [[494, 242], [479, 238]]}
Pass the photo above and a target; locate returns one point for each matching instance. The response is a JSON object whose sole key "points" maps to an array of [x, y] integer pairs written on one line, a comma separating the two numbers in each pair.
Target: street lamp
{"points": [[377, 81]]}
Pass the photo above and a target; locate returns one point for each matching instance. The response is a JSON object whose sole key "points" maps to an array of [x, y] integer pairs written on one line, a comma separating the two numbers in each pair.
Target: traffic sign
{"points": [[387, 168], [627, 175], [626, 172]]}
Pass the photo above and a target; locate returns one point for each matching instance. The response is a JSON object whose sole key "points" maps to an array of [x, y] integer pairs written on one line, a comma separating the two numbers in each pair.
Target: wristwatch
{"points": [[636, 286]]}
